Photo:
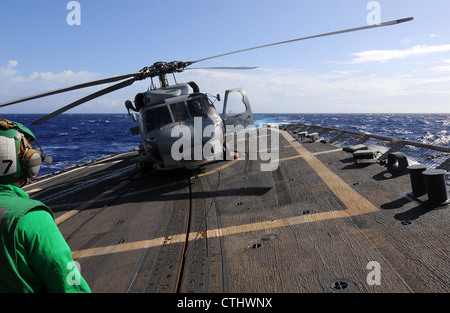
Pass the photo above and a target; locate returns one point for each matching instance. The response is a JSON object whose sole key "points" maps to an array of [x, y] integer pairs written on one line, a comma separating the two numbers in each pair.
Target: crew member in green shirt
{"points": [[34, 257]]}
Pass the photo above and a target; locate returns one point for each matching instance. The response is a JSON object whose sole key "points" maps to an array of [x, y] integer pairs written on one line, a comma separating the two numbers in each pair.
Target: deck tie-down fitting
{"points": [[436, 187], [430, 181], [418, 184]]}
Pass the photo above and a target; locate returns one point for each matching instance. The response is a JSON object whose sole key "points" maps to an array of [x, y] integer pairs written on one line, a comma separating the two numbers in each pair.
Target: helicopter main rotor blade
{"points": [[224, 68], [85, 99], [79, 86], [394, 22]]}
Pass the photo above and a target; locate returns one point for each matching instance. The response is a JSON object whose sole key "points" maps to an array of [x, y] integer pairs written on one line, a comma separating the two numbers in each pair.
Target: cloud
{"points": [[14, 85], [339, 90], [8, 70], [46, 80], [383, 56], [442, 68], [297, 91], [406, 40]]}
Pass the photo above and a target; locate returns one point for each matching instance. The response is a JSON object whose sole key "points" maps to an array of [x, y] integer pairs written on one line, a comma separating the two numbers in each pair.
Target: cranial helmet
{"points": [[18, 159]]}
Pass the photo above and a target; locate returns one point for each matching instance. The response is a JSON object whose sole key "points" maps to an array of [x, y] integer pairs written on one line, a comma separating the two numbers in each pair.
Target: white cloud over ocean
{"points": [[340, 90], [14, 85], [383, 56], [297, 91]]}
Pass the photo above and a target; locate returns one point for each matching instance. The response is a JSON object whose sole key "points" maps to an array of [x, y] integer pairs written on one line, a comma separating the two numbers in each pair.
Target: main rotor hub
{"points": [[161, 69]]}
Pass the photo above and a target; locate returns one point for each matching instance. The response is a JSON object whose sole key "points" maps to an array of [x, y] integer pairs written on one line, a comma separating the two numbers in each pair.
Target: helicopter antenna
{"points": [[152, 85], [174, 78]]}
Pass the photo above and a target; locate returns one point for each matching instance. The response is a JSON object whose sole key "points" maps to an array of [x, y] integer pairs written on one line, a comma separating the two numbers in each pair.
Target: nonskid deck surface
{"points": [[318, 223]]}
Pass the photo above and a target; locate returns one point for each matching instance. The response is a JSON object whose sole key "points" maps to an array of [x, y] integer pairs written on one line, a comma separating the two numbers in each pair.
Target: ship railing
{"points": [[433, 156]]}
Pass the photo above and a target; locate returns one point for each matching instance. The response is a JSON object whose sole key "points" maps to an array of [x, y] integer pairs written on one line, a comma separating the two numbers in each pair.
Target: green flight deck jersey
{"points": [[34, 257]]}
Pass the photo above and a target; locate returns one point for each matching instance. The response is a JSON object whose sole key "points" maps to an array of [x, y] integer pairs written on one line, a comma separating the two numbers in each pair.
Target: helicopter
{"points": [[166, 112]]}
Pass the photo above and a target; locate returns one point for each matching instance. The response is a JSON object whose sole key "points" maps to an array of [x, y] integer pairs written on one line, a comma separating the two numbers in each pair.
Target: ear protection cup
{"points": [[19, 161], [31, 162]]}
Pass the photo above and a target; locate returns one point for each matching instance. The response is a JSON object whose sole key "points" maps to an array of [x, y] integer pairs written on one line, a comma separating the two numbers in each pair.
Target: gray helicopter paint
{"points": [[244, 118]]}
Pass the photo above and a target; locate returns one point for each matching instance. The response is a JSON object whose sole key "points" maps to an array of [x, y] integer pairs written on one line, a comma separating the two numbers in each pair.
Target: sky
{"points": [[397, 69]]}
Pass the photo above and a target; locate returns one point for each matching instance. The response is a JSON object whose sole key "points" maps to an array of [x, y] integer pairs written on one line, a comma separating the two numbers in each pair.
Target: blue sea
{"points": [[78, 138]]}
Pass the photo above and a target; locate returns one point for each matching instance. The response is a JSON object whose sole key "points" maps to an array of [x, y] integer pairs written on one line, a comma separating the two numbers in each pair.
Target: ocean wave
{"points": [[441, 138], [77, 138]]}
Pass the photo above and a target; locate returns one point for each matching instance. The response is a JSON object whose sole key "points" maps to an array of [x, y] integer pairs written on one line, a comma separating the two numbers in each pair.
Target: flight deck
{"points": [[319, 223]]}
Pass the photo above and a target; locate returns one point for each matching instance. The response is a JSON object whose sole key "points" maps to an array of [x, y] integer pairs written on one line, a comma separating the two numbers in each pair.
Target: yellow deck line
{"points": [[229, 163], [226, 231], [351, 199], [64, 217], [301, 156]]}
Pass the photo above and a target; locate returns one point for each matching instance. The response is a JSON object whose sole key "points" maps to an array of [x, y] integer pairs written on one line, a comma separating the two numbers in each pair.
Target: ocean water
{"points": [[78, 138]]}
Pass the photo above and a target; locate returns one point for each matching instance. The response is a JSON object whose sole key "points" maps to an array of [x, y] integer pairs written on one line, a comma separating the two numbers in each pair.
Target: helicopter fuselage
{"points": [[180, 127]]}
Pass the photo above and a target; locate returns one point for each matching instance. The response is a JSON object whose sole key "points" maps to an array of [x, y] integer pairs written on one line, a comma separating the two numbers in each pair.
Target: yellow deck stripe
{"points": [[229, 163], [64, 217], [226, 231], [351, 199]]}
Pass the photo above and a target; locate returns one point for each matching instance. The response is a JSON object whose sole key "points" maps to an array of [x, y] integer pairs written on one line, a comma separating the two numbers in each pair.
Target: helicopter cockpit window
{"points": [[157, 117], [179, 111], [200, 106]]}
